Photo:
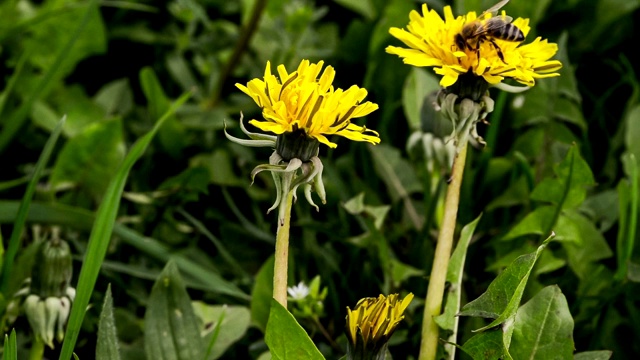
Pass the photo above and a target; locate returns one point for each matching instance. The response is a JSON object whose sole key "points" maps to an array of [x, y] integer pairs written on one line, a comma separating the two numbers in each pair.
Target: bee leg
{"points": [[498, 50]]}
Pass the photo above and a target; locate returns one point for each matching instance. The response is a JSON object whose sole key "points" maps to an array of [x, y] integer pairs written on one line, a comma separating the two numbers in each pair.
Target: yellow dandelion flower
{"points": [[432, 42], [372, 322], [306, 100]]}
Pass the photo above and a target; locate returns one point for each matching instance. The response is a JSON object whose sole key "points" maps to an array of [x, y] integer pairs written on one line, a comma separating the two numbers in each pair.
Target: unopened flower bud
{"points": [[52, 269]]}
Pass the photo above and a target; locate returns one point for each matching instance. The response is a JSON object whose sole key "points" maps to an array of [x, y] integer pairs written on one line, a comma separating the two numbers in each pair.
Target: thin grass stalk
{"points": [[435, 291]]}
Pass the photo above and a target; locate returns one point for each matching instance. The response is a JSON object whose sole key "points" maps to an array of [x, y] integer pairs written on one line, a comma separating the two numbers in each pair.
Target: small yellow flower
{"points": [[300, 100], [372, 322], [431, 42]]}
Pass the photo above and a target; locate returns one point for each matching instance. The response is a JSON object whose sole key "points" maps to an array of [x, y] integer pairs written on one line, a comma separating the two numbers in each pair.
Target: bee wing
{"points": [[494, 9], [492, 24]]}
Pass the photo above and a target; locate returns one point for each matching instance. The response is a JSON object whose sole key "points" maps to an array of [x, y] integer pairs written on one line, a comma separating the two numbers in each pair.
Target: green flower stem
{"points": [[435, 291], [282, 253], [37, 349]]}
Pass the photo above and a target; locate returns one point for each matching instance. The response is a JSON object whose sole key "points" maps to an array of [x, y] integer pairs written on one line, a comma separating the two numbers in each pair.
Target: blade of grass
{"points": [[10, 347], [21, 216], [82, 219], [224, 253], [16, 121], [12, 81], [101, 233]]}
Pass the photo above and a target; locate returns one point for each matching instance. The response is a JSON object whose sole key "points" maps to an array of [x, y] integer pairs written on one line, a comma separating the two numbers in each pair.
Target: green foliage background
{"points": [[115, 68]]}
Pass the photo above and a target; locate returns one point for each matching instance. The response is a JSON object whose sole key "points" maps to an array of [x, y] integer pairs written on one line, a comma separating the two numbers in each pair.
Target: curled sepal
{"points": [[307, 195], [317, 180], [464, 114], [255, 136], [293, 165], [257, 140]]}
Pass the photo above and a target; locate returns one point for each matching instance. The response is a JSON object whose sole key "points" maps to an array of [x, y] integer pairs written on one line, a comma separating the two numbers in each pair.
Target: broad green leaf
{"points": [[395, 171], [170, 324], [356, 206], [593, 355], [286, 339], [115, 98], [487, 345], [591, 247], [415, 95], [262, 294], [13, 124], [544, 327], [502, 298], [90, 159], [82, 219], [171, 136], [569, 188], [448, 320], [535, 223], [101, 234], [20, 216], [50, 35], [10, 349], [81, 110], [107, 347], [232, 322], [401, 272]]}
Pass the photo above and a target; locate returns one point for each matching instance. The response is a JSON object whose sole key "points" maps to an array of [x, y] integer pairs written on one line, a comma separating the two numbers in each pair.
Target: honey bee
{"points": [[495, 27]]}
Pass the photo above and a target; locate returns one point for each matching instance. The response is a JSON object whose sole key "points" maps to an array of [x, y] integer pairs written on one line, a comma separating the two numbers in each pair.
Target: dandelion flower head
{"points": [[431, 42], [305, 100]]}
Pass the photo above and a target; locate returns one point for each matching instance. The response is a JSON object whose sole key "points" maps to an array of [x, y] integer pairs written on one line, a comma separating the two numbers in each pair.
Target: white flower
{"points": [[299, 291]]}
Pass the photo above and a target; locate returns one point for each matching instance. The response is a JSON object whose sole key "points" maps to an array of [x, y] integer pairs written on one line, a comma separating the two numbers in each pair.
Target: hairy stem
{"points": [[435, 291], [282, 253]]}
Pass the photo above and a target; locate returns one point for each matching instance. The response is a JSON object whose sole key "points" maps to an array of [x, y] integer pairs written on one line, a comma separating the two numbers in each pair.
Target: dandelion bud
{"points": [[52, 269], [371, 323]]}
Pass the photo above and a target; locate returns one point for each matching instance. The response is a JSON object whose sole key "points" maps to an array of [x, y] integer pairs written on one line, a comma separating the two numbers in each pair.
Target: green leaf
{"points": [[536, 222], [115, 98], [544, 327], [569, 188], [171, 136], [286, 339], [448, 320], [10, 350], [262, 294], [53, 70], [415, 95], [232, 322], [593, 355], [101, 234], [107, 347], [90, 159], [487, 345], [170, 324], [21, 214], [591, 247], [395, 171], [502, 298]]}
